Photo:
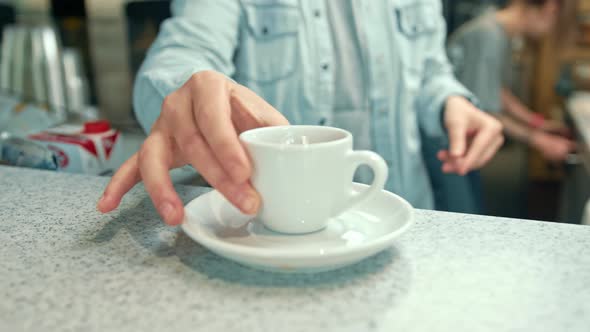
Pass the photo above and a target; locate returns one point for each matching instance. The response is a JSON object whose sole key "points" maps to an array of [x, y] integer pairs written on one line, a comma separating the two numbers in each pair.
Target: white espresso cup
{"points": [[304, 175]]}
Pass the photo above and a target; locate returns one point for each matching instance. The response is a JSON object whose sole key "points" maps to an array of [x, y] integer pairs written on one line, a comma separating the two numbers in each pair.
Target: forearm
{"points": [[516, 108], [438, 84], [515, 129], [201, 35]]}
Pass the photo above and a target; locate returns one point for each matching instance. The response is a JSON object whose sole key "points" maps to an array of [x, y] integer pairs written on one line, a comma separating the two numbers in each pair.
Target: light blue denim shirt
{"points": [[284, 51]]}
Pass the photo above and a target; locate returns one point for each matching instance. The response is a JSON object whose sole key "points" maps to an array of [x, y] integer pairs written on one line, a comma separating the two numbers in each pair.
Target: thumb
{"points": [[457, 129]]}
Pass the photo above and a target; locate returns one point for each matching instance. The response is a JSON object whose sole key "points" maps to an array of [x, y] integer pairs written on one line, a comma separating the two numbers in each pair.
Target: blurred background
{"points": [[71, 64]]}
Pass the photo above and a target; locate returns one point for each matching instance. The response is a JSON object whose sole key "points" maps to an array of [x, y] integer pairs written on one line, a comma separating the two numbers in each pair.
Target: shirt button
{"points": [[325, 66], [264, 30], [322, 121], [317, 13]]}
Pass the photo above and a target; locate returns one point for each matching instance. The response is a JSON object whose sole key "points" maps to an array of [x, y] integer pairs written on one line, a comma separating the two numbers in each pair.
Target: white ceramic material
{"points": [[358, 233], [304, 175]]}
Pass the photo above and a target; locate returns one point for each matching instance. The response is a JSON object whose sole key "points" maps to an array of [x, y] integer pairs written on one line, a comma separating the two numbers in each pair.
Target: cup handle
{"points": [[380, 171]]}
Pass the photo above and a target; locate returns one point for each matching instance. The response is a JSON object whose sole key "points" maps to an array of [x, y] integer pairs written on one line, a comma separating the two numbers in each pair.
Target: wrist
{"points": [[453, 102], [453, 99], [535, 138], [537, 121]]}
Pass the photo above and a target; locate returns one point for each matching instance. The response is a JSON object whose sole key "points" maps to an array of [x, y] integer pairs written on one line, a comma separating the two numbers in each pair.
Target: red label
{"points": [[85, 143], [109, 142]]}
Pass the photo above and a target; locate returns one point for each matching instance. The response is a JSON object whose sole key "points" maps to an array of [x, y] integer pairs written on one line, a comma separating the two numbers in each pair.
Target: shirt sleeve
{"points": [[438, 82], [478, 65], [201, 35]]}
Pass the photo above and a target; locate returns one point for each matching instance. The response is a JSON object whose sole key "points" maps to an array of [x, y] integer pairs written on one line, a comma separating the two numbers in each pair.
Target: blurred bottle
{"points": [[76, 87], [20, 152], [31, 80], [71, 20]]}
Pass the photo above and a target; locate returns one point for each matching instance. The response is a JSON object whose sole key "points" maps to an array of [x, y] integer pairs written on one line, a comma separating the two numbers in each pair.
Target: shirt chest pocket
{"points": [[416, 23], [269, 46]]}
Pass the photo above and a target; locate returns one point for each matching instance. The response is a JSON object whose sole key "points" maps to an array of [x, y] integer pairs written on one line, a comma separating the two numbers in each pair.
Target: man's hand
{"points": [[553, 147], [474, 137], [199, 125]]}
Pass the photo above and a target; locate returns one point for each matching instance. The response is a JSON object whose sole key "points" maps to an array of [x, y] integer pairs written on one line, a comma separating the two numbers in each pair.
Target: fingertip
{"points": [[446, 168], [100, 205], [101, 208], [248, 202], [460, 167], [178, 217], [457, 151], [106, 204], [463, 170], [171, 213]]}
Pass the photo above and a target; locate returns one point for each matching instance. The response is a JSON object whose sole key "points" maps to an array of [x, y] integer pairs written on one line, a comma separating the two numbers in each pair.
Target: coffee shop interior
{"points": [[77, 59], [501, 247]]}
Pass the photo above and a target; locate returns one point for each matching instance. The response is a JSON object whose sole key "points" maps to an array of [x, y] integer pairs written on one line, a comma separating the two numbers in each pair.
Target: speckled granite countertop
{"points": [[65, 267]]}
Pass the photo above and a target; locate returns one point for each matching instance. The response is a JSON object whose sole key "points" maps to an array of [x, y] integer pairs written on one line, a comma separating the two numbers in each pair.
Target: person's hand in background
{"points": [[552, 147], [199, 125], [556, 127], [474, 137]]}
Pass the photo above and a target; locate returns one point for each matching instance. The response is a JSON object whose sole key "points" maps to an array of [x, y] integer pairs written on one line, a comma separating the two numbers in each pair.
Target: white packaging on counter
{"points": [[89, 148]]}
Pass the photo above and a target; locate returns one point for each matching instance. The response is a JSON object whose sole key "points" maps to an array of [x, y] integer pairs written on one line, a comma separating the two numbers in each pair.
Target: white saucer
{"points": [[357, 234]]}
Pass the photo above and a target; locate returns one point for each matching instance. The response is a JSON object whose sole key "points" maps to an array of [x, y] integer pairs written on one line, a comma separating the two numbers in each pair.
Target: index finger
{"points": [[122, 181]]}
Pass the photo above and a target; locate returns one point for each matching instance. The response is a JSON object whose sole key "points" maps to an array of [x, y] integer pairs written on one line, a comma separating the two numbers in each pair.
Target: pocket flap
{"points": [[272, 21], [416, 19]]}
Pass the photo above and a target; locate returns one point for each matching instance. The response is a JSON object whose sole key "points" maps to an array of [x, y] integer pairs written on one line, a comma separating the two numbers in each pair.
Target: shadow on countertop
{"points": [[213, 266], [148, 231]]}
